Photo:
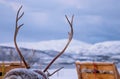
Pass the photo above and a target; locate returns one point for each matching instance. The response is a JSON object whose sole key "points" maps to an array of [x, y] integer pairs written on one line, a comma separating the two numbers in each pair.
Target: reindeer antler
{"points": [[69, 40], [17, 27]]}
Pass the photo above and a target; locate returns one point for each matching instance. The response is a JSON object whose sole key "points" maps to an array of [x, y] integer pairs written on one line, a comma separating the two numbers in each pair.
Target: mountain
{"points": [[109, 47], [45, 51], [57, 45], [74, 47]]}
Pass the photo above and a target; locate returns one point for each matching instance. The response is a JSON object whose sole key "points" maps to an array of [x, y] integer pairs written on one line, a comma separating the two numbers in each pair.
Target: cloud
{"points": [[2, 2], [13, 4], [69, 3], [93, 18], [38, 18], [89, 11]]}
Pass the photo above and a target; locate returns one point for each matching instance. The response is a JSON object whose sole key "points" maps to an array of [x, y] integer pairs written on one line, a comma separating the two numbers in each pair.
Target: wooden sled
{"points": [[6, 66], [96, 70]]}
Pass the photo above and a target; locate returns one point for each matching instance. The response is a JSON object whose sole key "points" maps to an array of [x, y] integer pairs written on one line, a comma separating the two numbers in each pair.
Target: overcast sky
{"points": [[94, 21]]}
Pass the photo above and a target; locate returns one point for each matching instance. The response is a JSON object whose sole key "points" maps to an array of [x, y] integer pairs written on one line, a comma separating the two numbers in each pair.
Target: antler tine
{"points": [[69, 40], [71, 25], [17, 27]]}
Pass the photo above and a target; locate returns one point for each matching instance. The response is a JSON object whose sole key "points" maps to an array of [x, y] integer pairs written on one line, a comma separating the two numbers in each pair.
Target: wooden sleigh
{"points": [[6, 66], [97, 70]]}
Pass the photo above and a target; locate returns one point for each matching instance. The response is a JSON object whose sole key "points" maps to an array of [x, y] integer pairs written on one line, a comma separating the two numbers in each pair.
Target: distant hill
{"points": [[45, 51]]}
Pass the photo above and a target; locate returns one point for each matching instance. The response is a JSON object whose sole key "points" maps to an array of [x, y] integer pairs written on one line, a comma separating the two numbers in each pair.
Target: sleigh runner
{"points": [[96, 70]]}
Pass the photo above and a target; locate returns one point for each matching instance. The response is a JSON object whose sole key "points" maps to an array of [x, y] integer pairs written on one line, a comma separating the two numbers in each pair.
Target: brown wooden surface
{"points": [[100, 66], [6, 66]]}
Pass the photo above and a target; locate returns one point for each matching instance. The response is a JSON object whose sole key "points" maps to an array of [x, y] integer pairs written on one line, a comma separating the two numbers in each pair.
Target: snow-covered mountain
{"points": [[75, 46], [77, 50], [56, 45], [109, 47]]}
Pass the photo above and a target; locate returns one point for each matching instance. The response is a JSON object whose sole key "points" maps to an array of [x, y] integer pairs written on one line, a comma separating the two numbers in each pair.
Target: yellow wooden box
{"points": [[6, 66], [96, 70]]}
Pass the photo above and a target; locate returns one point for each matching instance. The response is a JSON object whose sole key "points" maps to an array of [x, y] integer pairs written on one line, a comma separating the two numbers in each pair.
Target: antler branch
{"points": [[17, 27], [69, 40]]}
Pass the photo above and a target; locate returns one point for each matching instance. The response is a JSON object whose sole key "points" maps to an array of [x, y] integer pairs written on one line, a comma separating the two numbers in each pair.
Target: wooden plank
{"points": [[6, 66], [96, 70]]}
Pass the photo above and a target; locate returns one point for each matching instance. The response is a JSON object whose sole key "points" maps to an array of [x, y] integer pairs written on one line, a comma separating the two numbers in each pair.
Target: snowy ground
{"points": [[66, 74]]}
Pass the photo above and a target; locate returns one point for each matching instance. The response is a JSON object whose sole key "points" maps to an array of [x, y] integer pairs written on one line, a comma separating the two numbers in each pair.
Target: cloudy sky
{"points": [[94, 21]]}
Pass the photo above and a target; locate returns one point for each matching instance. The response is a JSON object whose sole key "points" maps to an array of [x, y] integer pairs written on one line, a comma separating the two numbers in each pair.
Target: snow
{"points": [[77, 50], [75, 46], [105, 47], [65, 74], [56, 45]]}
